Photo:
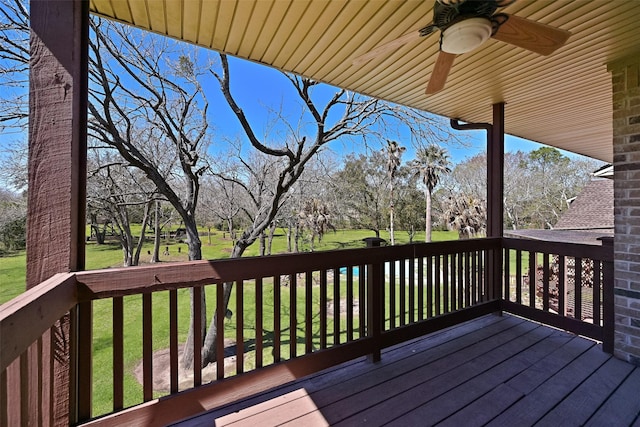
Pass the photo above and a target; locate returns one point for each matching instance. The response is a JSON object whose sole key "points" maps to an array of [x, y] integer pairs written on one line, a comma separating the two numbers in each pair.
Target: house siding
{"points": [[626, 155]]}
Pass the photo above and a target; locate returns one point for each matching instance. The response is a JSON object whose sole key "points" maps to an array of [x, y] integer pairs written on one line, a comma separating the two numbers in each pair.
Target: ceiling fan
{"points": [[467, 24]]}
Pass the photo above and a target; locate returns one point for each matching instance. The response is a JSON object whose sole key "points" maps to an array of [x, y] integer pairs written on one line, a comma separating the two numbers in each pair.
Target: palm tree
{"points": [[394, 153], [466, 215], [431, 163]]}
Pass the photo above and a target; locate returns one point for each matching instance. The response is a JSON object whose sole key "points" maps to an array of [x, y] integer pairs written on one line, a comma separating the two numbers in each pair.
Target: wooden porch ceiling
{"points": [[500, 371], [564, 100]]}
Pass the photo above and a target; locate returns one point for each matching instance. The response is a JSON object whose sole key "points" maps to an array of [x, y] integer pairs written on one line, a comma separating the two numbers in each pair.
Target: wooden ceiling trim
{"points": [[139, 13]]}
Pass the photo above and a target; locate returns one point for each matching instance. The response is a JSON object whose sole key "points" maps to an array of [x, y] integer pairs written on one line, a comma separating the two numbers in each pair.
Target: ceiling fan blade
{"points": [[386, 48], [534, 36], [440, 72]]}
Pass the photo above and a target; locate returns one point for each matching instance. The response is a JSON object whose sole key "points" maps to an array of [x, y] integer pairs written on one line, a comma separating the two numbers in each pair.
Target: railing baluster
{"points": [[482, 292], [578, 288], [349, 303], [474, 277], [461, 284], [362, 299], [220, 315], [507, 275], [403, 294], [437, 288], [562, 274], [532, 279], [293, 315], [392, 294], [545, 282], [173, 340], [118, 353], [421, 288], [147, 347], [308, 312], [277, 327], [445, 283], [519, 276], [454, 282], [467, 279], [197, 335], [336, 306], [412, 295], [597, 289], [239, 326], [259, 323], [323, 308]]}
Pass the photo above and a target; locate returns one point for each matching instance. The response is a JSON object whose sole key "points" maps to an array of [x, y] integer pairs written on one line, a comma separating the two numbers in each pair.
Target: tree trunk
{"points": [[289, 236], [195, 253], [156, 235], [391, 218], [272, 231], [145, 220], [296, 241], [427, 218], [262, 243], [209, 343]]}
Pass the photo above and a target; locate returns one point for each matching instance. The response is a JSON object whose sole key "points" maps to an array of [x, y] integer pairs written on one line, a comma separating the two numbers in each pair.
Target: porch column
{"points": [[626, 161], [58, 86], [495, 173]]}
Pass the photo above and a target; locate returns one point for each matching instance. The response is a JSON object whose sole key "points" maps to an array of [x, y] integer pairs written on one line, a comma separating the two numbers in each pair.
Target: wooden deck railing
{"points": [[291, 315], [566, 285]]}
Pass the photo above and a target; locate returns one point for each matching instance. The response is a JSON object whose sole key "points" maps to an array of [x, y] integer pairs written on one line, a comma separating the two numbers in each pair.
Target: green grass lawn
{"points": [[12, 272]]}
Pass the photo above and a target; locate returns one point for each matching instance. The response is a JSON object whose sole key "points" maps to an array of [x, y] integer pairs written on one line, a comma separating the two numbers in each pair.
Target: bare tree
{"points": [[14, 64], [122, 195]]}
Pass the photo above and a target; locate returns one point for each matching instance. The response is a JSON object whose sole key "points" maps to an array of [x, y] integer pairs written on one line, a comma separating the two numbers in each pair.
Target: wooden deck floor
{"points": [[501, 371]]}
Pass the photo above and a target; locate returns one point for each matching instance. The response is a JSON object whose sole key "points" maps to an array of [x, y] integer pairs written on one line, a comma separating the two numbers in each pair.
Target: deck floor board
{"points": [[490, 371]]}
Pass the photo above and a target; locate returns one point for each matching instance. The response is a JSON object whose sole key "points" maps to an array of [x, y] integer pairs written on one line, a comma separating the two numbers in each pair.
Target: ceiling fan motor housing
{"points": [[466, 35]]}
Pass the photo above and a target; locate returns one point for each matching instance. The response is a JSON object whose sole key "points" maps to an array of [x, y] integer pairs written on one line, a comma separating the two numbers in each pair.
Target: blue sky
{"points": [[258, 86], [258, 89]]}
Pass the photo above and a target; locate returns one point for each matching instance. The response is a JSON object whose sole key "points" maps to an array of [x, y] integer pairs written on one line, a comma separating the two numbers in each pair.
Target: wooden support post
{"points": [[375, 305], [495, 191], [495, 195], [58, 87]]}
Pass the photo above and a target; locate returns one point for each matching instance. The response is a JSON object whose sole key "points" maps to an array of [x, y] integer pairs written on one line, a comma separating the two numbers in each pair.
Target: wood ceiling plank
{"points": [[208, 18], [140, 13], [121, 10], [174, 17], [222, 27], [283, 33], [192, 13], [242, 23], [310, 45], [157, 17], [267, 33], [298, 39], [260, 18]]}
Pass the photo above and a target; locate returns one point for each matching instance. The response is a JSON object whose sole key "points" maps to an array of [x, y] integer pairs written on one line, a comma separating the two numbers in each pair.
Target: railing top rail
{"points": [[25, 318], [135, 280], [602, 253]]}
